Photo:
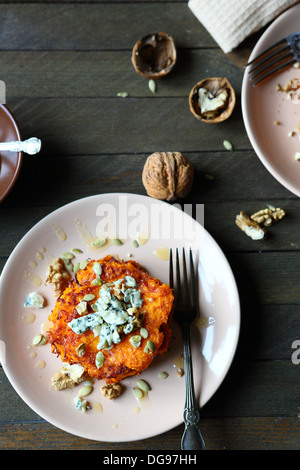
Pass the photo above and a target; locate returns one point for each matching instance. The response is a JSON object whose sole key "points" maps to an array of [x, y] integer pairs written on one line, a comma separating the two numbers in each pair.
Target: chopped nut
{"points": [[68, 376], [290, 88], [58, 276], [60, 381], [111, 390], [250, 227], [268, 216]]}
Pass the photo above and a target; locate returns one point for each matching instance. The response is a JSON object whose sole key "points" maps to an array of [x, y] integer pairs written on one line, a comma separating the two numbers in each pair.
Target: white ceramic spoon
{"points": [[30, 146]]}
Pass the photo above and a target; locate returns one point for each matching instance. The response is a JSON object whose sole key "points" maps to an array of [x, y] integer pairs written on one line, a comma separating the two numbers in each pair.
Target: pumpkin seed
{"points": [[39, 340], [138, 393], [98, 242], [97, 281], [68, 265], [163, 375], [81, 307], [144, 333], [122, 94], [67, 255], [81, 350], [76, 250], [227, 145], [94, 307], [152, 86], [143, 385], [150, 346], [85, 390], [135, 341], [83, 264], [117, 241], [99, 359], [88, 297], [76, 267], [135, 244], [97, 268]]}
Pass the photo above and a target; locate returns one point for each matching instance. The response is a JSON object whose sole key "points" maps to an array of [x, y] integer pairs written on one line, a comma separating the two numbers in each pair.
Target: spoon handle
{"points": [[30, 146]]}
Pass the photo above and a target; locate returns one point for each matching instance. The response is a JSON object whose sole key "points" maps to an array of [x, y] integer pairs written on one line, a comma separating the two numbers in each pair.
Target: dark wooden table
{"points": [[63, 64]]}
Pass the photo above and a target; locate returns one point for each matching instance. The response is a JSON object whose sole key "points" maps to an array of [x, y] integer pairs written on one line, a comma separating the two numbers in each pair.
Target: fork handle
{"points": [[192, 438]]}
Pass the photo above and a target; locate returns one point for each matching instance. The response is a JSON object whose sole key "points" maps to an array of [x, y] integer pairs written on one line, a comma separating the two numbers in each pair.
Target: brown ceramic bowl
{"points": [[154, 55], [10, 162], [213, 85]]}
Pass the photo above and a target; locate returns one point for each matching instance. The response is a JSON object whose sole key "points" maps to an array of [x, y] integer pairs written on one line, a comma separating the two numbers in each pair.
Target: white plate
{"points": [[263, 105], [123, 419]]}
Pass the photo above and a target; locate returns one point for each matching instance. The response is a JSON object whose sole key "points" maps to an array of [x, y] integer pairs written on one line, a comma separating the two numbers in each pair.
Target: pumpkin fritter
{"points": [[113, 319]]}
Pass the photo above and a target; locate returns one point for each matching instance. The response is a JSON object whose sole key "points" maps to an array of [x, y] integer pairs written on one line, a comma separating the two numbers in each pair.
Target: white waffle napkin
{"points": [[229, 22]]}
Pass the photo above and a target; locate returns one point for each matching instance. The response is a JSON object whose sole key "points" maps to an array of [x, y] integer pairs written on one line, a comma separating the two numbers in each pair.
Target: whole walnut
{"points": [[168, 176]]}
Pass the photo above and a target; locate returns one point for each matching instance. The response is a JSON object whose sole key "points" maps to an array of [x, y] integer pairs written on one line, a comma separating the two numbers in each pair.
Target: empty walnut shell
{"points": [[215, 87], [154, 55], [167, 175]]}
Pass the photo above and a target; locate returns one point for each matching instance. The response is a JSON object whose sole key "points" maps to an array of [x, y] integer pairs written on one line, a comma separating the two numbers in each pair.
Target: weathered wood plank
{"points": [[116, 125], [239, 180], [220, 434], [268, 278], [61, 74], [105, 25]]}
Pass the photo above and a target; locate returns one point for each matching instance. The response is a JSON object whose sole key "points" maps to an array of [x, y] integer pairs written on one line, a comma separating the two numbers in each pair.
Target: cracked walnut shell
{"points": [[154, 55], [167, 176], [212, 100]]}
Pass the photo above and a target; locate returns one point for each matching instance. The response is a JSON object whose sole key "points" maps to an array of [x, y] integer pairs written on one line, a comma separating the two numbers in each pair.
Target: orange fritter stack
{"points": [[113, 319]]}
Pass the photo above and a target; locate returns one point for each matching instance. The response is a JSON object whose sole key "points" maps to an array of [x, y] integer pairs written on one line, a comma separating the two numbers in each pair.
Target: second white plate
{"points": [[269, 116]]}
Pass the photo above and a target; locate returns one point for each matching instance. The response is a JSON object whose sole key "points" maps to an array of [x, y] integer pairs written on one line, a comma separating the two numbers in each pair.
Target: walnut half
{"points": [[58, 276], [111, 390], [250, 227], [167, 175], [268, 216]]}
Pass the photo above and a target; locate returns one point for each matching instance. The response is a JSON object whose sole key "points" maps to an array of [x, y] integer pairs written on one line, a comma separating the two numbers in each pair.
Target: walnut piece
{"points": [[250, 227], [58, 276], [167, 175], [60, 381], [111, 390], [68, 376], [268, 216]]}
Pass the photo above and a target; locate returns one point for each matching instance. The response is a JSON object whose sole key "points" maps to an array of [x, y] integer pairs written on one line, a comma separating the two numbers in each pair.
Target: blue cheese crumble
{"points": [[115, 312], [81, 404], [34, 300]]}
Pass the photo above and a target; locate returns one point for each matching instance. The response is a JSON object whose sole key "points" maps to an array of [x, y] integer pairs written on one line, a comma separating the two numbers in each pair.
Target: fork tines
{"points": [[186, 290], [281, 55]]}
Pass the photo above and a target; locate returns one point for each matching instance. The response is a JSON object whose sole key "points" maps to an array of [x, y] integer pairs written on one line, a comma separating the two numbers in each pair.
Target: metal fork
{"points": [[185, 313], [281, 55]]}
